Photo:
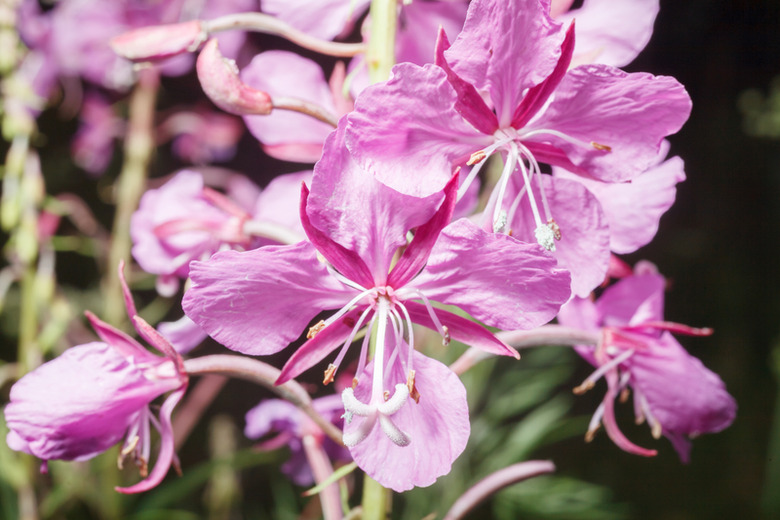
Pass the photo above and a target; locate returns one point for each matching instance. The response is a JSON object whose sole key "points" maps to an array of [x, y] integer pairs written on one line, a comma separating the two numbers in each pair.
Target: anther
{"points": [[601, 147], [545, 237], [386, 395], [413, 392], [624, 395], [556, 229], [584, 387], [445, 337], [591, 434], [127, 449], [315, 329], [499, 224], [476, 157], [329, 373], [656, 430], [354, 383]]}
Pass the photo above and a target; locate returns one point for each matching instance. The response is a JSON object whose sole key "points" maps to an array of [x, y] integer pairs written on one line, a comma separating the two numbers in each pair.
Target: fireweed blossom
{"points": [[673, 391], [505, 86], [358, 262], [94, 395]]}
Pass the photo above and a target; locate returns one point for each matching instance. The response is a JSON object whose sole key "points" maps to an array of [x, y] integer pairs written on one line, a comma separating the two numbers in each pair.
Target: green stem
{"points": [[138, 148], [380, 54]]}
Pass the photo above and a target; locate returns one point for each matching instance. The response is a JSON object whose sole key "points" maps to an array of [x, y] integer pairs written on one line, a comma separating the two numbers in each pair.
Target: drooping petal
{"points": [[629, 113], [610, 32], [184, 334], [166, 454], [120, 341], [282, 73], [498, 280], [584, 245], [438, 427], [81, 403], [365, 216], [506, 47], [257, 302], [407, 132], [632, 301], [683, 395]]}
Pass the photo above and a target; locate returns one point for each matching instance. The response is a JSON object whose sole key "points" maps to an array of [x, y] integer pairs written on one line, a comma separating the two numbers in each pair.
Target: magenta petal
{"points": [[123, 343], [165, 457], [461, 329], [354, 209], [81, 403], [599, 104], [316, 348], [416, 254], [632, 301], [326, 19], [407, 132], [634, 209], [257, 302], [498, 280], [684, 396], [286, 74], [506, 47], [584, 245], [610, 32], [438, 427], [184, 334]]}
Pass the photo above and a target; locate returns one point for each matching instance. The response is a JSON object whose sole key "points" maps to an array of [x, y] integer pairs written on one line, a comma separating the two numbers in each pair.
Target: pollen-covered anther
{"points": [[556, 229], [445, 337], [143, 467], [624, 394], [315, 329], [413, 392], [545, 237], [120, 459], [329, 373], [584, 387], [476, 157], [591, 434], [656, 431], [354, 382], [386, 395], [601, 147]]}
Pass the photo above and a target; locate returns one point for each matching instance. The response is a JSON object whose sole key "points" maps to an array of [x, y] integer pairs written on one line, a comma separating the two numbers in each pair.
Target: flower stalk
{"points": [[380, 54]]}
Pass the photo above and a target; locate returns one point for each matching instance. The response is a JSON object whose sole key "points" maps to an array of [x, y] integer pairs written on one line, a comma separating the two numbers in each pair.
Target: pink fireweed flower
{"points": [[359, 262], [93, 395], [504, 86], [673, 391]]}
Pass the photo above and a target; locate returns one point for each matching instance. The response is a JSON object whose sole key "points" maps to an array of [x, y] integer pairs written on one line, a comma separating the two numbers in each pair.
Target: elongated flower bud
{"points": [[159, 41]]}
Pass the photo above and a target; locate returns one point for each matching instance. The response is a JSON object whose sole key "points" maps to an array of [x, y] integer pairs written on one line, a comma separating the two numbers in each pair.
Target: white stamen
{"points": [[590, 381], [545, 237], [346, 308], [392, 431], [407, 292], [464, 186], [343, 279]]}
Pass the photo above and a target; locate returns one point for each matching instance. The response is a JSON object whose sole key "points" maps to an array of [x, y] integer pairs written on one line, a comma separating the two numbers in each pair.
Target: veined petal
{"points": [[438, 427], [123, 343], [506, 47], [629, 113], [498, 280], [632, 301], [354, 209], [257, 302], [584, 245], [407, 132], [325, 19]]}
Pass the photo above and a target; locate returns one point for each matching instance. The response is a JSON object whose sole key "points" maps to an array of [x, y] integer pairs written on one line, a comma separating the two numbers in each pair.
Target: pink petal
{"points": [[407, 132], [632, 301], [506, 47], [496, 279], [584, 245], [286, 74], [438, 427], [326, 19], [630, 113], [257, 302]]}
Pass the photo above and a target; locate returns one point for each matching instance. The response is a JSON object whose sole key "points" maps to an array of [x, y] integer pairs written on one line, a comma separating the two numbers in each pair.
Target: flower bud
{"points": [[159, 41]]}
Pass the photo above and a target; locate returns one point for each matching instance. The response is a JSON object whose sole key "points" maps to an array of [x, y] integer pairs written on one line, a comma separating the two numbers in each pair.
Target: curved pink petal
{"points": [[584, 245], [629, 113], [257, 302], [418, 24], [498, 280], [357, 211], [407, 132], [632, 301], [166, 455], [683, 395], [326, 19], [438, 427], [278, 201], [506, 47], [80, 403], [612, 32], [184, 334], [286, 74], [633, 209]]}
